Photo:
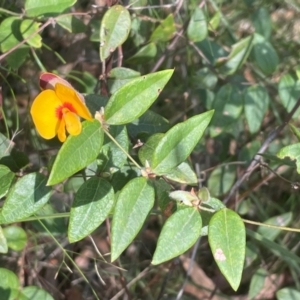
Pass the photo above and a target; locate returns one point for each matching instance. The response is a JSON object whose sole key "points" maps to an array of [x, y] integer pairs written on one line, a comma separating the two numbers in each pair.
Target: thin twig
{"points": [[256, 160]]}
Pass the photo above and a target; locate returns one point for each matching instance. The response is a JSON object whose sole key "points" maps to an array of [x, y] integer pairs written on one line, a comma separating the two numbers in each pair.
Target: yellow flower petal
{"points": [[69, 95], [61, 131], [73, 124], [43, 112]]}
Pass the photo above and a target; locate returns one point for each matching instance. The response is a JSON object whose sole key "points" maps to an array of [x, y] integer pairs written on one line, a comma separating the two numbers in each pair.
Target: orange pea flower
{"points": [[57, 108]]}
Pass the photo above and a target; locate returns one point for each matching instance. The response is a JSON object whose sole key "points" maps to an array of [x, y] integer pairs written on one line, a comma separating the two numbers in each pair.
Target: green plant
{"points": [[111, 179]]}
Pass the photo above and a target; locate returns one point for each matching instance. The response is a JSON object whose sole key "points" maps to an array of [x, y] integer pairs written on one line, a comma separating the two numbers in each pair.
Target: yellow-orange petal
{"points": [[69, 95], [43, 112], [61, 130], [73, 124]]}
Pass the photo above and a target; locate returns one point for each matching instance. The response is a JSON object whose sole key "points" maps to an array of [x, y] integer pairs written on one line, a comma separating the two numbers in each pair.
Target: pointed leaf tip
{"points": [[227, 240]]}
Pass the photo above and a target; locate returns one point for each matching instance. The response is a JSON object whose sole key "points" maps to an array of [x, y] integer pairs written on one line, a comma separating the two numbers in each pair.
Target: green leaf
{"points": [[179, 233], [262, 22], [227, 240], [165, 31], [92, 204], [28, 27], [115, 28], [118, 77], [287, 294], [178, 143], [185, 198], [257, 282], [204, 194], [212, 51], [289, 92], [15, 294], [221, 180], [134, 98], [6, 178], [214, 22], [16, 58], [264, 54], [10, 34], [94, 102], [228, 106], [197, 28], [150, 123], [134, 3], [205, 79], [8, 281], [5, 146], [77, 152], [133, 205], [35, 8], [145, 54], [35, 293], [111, 156], [16, 237], [26, 197], [124, 175], [238, 55], [183, 173], [293, 152], [3, 242], [214, 203], [71, 23], [256, 105], [162, 189], [272, 233]]}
